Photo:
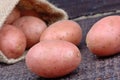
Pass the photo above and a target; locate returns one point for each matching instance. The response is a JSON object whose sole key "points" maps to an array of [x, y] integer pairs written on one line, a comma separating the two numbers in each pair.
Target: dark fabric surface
{"points": [[76, 8], [91, 67]]}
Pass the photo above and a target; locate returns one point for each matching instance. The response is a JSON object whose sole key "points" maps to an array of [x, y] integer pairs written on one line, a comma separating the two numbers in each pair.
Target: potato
{"points": [[29, 13], [12, 41], [0, 41], [54, 58], [63, 30], [32, 28], [103, 39], [14, 15]]}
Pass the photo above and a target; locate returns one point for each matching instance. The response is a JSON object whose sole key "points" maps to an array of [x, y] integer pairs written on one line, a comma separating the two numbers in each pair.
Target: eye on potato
{"points": [[32, 28], [103, 39], [51, 59], [12, 41], [63, 30]]}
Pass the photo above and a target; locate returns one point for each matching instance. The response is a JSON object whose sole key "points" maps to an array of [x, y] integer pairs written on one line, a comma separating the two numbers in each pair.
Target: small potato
{"points": [[12, 41], [14, 15], [32, 28], [63, 30], [29, 13], [103, 39], [51, 59], [0, 44]]}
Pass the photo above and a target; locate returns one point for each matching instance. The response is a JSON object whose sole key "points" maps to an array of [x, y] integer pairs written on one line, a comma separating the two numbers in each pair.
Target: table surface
{"points": [[91, 67]]}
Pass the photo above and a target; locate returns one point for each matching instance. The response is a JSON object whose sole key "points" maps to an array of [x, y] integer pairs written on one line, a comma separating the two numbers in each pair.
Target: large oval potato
{"points": [[32, 28], [103, 39], [51, 59], [14, 15], [12, 41], [63, 30]]}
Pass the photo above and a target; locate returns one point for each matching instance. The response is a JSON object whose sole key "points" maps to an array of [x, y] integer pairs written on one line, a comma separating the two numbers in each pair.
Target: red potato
{"points": [[12, 41], [51, 59], [103, 39], [32, 28], [0, 44], [14, 15], [29, 13], [63, 30]]}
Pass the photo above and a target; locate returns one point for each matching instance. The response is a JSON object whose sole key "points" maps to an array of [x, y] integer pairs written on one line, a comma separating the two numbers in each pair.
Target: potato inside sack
{"points": [[63, 30], [51, 59], [103, 39], [12, 41], [32, 28]]}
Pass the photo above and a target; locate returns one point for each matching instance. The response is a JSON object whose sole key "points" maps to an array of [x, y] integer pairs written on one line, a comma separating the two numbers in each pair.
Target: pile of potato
{"points": [[20, 33], [52, 50]]}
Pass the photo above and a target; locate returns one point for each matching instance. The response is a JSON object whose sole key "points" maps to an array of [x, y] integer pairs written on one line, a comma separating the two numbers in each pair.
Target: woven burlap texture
{"points": [[47, 11], [6, 6]]}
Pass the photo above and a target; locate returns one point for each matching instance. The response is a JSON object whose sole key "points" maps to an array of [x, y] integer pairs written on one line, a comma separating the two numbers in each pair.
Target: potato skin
{"points": [[12, 41], [51, 59], [14, 15], [63, 30], [103, 39], [32, 28]]}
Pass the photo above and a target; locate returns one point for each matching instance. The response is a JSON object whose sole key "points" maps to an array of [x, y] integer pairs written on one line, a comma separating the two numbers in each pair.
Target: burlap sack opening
{"points": [[47, 12]]}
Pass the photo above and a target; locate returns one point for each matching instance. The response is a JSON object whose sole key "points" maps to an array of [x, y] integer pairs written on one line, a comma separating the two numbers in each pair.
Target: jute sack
{"points": [[47, 12]]}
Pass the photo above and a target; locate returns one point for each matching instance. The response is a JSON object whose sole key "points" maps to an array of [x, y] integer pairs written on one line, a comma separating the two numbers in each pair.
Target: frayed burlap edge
{"points": [[47, 11]]}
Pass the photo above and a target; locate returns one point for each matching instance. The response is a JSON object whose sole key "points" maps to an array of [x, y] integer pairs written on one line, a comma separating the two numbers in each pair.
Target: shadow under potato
{"points": [[107, 57], [73, 73]]}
